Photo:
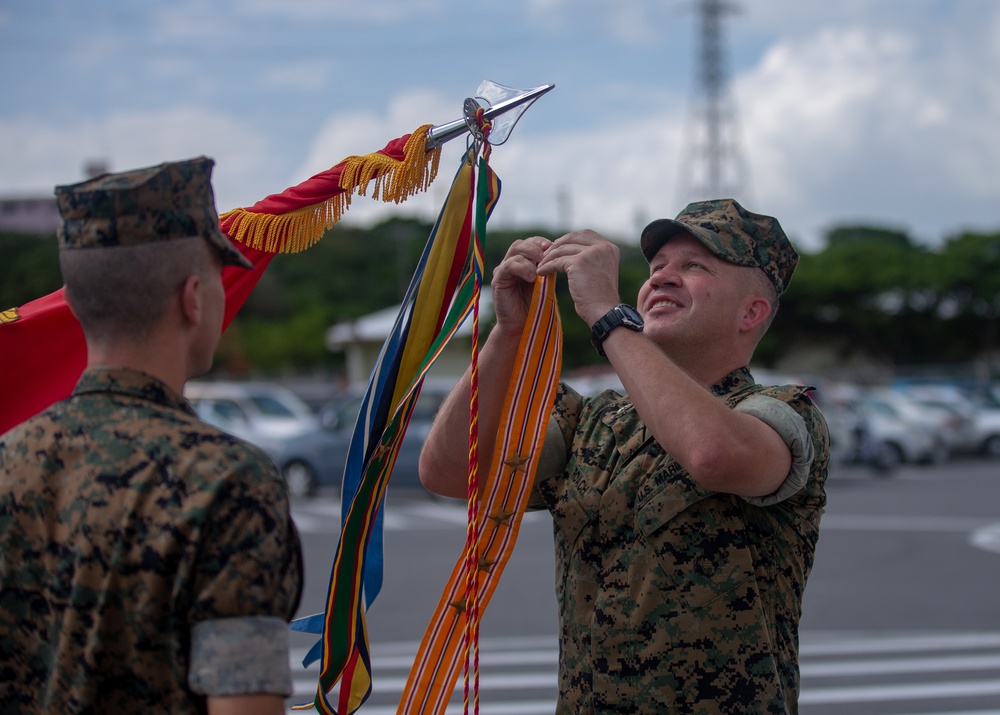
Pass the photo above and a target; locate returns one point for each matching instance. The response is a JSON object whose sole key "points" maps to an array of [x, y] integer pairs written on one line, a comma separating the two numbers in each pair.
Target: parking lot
{"points": [[900, 613]]}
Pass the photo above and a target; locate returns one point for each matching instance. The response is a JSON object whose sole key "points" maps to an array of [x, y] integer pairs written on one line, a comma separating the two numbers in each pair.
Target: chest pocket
{"points": [[600, 449], [697, 536]]}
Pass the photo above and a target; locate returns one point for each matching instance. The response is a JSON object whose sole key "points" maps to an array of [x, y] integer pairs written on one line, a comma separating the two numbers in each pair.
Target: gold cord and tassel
{"points": [[300, 229]]}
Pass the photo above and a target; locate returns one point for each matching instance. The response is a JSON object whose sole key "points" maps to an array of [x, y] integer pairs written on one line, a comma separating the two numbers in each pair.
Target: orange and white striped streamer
{"points": [[526, 411]]}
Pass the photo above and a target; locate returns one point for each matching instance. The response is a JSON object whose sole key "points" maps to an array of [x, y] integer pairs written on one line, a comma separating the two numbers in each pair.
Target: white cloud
{"points": [[37, 156], [850, 111], [613, 179], [851, 125], [609, 179], [642, 22]]}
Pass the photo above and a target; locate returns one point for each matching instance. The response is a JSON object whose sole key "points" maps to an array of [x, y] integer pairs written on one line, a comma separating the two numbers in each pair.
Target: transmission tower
{"points": [[712, 164]]}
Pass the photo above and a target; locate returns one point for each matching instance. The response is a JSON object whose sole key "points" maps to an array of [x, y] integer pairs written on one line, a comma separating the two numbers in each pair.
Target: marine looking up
{"points": [[686, 511]]}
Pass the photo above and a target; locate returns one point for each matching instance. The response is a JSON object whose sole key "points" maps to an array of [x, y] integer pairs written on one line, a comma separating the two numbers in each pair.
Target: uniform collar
{"points": [[736, 380], [127, 381]]}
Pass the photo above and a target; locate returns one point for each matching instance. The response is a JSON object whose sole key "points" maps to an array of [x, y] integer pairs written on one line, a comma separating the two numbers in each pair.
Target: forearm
{"points": [[246, 705], [722, 449], [444, 459]]}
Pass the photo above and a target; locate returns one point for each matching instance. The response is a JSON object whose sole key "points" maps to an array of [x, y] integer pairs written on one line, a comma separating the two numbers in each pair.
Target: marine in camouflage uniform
{"points": [[148, 560], [673, 597]]}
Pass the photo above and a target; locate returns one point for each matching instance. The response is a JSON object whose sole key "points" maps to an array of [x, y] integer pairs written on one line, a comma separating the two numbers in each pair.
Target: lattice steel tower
{"points": [[712, 161]]}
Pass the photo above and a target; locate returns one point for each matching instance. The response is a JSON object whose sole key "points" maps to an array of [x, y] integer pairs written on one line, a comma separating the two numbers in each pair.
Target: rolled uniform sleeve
{"points": [[247, 588], [240, 656], [788, 423]]}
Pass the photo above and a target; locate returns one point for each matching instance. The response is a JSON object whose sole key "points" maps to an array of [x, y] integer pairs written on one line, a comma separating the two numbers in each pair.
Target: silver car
{"points": [[317, 458], [259, 412]]}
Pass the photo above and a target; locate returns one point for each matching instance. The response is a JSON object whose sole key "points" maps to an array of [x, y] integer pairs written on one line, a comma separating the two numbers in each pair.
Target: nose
{"points": [[664, 275]]}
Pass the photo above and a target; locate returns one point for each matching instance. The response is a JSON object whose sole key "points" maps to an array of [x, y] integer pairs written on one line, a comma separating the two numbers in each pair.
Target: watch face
{"points": [[621, 315], [630, 314]]}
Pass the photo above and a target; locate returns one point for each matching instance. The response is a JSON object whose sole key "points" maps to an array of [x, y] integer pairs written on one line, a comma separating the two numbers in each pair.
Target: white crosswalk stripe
{"points": [[932, 673], [908, 674], [937, 674], [322, 516], [517, 675]]}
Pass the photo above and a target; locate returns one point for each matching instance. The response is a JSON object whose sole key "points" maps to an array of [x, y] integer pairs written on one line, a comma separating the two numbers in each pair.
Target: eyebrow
{"points": [[685, 253]]}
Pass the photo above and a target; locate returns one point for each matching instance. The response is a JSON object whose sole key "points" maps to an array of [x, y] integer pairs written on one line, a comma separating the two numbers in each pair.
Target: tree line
{"points": [[870, 296]]}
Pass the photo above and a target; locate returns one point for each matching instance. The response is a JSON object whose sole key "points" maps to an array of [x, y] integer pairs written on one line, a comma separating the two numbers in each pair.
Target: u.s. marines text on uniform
{"points": [[686, 510]]}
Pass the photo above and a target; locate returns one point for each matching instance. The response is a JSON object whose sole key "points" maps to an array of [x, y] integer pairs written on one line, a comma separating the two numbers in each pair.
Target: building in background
{"points": [[38, 215], [32, 215], [361, 342]]}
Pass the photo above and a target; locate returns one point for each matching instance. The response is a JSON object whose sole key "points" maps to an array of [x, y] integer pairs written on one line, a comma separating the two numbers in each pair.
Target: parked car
{"points": [[918, 433], [987, 428], [261, 413], [317, 458], [870, 427], [979, 408]]}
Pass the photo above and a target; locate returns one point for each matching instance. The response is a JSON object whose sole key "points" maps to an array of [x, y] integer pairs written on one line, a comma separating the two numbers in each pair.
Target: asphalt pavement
{"points": [[901, 614]]}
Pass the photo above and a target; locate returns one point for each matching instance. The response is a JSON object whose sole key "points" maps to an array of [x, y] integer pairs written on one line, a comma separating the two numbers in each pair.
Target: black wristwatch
{"points": [[621, 315]]}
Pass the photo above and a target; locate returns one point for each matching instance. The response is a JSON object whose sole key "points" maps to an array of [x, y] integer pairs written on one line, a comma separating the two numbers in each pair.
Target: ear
{"points": [[755, 312], [191, 299]]}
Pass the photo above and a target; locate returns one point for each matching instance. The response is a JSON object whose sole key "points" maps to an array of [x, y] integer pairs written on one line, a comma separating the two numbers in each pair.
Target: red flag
{"points": [[42, 348]]}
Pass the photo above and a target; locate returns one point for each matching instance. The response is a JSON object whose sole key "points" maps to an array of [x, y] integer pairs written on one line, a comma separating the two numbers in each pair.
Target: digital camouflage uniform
{"points": [[673, 598], [146, 558], [158, 203], [732, 233]]}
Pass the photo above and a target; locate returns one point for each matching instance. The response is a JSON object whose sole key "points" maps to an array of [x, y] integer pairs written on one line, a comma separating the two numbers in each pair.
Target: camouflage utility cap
{"points": [[732, 233], [159, 203]]}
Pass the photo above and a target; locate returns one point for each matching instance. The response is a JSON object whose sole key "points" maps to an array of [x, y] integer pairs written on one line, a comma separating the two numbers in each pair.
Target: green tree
{"points": [[851, 295], [966, 278], [29, 268], [870, 291]]}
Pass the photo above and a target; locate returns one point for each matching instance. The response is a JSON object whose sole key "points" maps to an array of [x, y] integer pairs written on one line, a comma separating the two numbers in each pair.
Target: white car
{"points": [[899, 433], [261, 413], [981, 410]]}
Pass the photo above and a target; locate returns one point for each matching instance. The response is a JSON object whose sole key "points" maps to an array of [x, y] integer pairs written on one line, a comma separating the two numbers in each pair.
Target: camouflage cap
{"points": [[731, 232], [159, 203]]}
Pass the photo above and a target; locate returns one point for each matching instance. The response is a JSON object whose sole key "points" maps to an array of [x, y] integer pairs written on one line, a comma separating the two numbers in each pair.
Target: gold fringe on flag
{"points": [[300, 229]]}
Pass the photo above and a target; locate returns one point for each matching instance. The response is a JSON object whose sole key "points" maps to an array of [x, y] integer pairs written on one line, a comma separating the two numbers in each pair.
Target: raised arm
{"points": [[444, 458], [699, 328], [247, 705]]}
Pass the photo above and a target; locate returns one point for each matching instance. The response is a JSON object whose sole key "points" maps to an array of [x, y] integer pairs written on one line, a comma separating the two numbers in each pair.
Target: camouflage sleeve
{"points": [[249, 561], [783, 419], [240, 656]]}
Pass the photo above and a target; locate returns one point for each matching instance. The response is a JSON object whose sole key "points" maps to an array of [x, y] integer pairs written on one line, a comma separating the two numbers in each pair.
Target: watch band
{"points": [[622, 315]]}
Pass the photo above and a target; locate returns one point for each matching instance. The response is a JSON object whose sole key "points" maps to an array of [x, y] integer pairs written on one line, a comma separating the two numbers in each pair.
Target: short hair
{"points": [[756, 282], [122, 292]]}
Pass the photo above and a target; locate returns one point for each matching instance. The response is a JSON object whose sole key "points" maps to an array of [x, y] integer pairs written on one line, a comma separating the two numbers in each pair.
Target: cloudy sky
{"points": [[885, 112]]}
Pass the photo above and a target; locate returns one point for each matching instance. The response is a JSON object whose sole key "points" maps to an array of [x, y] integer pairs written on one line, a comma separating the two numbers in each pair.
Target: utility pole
{"points": [[712, 163]]}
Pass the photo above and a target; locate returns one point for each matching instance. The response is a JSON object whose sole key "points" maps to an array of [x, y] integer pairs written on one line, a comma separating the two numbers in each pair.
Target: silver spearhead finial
{"points": [[503, 106]]}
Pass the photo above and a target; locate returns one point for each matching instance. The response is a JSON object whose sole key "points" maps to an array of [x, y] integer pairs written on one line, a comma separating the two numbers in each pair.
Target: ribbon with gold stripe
{"points": [[388, 403], [527, 407]]}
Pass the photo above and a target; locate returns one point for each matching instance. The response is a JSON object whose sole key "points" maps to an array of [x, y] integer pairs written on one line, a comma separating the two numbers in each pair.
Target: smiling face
{"points": [[694, 304]]}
